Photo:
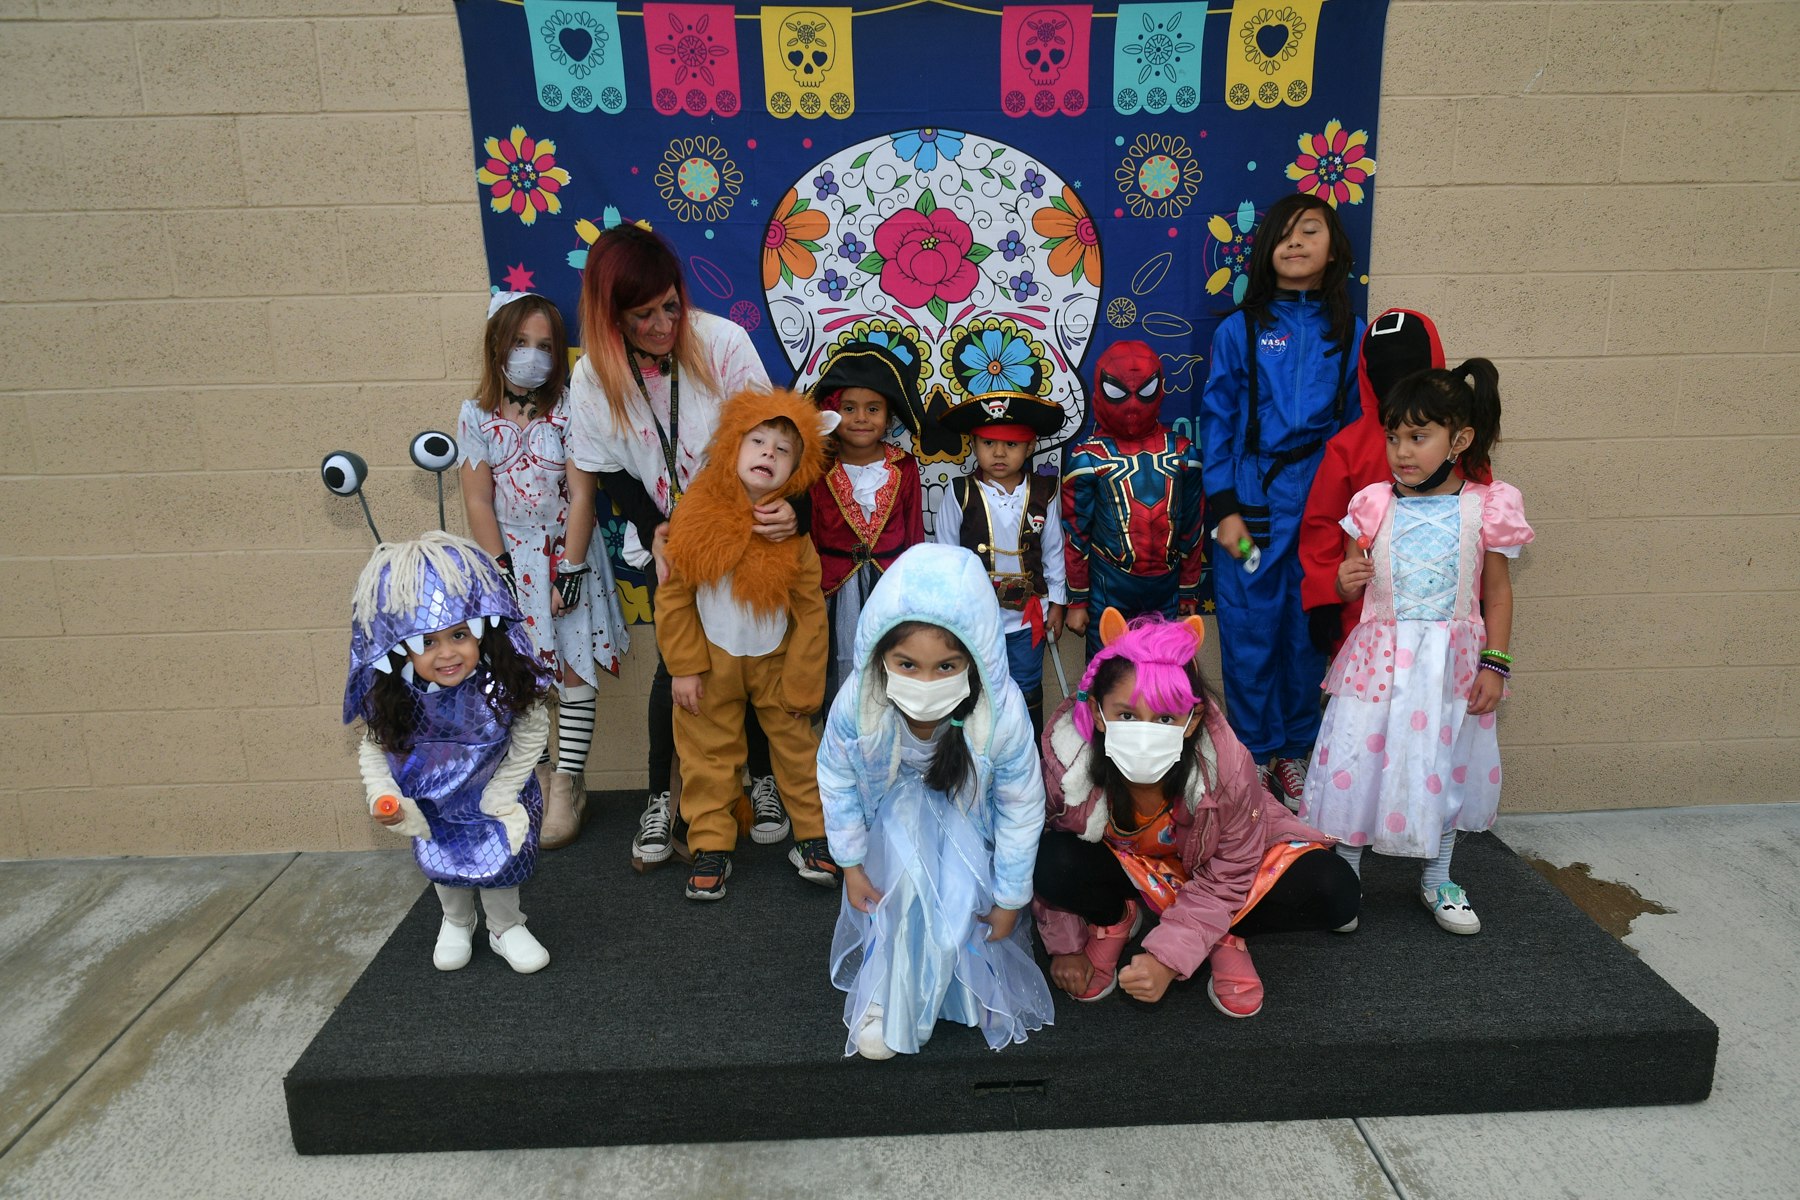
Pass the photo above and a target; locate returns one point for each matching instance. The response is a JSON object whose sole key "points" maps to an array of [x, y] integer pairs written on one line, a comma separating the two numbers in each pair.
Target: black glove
{"points": [[1325, 624], [503, 560], [568, 584]]}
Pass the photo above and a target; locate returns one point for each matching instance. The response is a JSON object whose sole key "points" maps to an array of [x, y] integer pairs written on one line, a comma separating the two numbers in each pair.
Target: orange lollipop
{"points": [[387, 806]]}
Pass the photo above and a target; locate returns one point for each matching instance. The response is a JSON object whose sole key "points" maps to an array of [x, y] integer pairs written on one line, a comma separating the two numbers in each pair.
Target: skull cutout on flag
{"points": [[973, 253]]}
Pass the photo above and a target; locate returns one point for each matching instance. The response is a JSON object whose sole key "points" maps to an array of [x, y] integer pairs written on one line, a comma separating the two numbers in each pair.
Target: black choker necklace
{"points": [[661, 362]]}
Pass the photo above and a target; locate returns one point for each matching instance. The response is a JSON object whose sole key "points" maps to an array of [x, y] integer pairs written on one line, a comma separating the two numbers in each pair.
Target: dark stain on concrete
{"points": [[1613, 906]]}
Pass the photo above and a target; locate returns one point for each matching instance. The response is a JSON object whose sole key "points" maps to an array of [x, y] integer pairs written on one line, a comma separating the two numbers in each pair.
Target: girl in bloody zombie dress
{"points": [[521, 511]]}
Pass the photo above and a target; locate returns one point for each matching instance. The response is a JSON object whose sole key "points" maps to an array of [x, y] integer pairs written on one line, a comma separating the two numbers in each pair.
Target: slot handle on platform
{"points": [[1011, 1087]]}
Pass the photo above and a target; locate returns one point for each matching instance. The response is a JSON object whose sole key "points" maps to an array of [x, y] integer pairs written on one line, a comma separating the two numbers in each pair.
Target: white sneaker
{"points": [[455, 943], [522, 952], [1449, 904], [1348, 926], [770, 824], [870, 1035]]}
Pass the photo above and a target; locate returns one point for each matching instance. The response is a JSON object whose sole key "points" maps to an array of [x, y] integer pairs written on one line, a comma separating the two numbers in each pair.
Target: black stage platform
{"points": [[664, 1020]]}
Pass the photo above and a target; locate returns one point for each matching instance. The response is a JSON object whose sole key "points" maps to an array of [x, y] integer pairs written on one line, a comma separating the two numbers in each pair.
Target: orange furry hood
{"points": [[710, 535]]}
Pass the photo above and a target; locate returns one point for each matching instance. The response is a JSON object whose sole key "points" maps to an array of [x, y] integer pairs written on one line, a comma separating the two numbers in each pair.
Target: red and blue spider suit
{"points": [[1132, 499]]}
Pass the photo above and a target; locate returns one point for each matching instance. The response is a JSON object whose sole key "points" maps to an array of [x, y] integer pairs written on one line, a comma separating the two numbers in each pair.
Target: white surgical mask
{"points": [[928, 700], [527, 367], [1144, 750]]}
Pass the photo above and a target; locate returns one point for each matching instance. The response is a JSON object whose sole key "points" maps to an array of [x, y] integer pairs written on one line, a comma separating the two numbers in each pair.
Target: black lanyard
{"points": [[668, 445]]}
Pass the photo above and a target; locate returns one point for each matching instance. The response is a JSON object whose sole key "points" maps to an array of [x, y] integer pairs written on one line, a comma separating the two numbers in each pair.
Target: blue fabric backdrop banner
{"points": [[908, 196]]}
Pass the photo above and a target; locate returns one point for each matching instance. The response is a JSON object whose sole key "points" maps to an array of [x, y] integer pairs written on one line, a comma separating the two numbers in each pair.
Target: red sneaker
{"points": [[1287, 780], [1235, 988], [1105, 946]]}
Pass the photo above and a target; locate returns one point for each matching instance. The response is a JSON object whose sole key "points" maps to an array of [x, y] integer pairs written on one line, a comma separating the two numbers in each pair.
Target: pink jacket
{"points": [[1227, 823]]}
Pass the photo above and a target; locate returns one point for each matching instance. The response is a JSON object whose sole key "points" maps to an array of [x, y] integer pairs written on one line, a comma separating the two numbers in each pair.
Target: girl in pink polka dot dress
{"points": [[1408, 754]]}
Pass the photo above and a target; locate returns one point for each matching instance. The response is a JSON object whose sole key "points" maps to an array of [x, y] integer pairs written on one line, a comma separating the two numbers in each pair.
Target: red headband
{"points": [[1005, 433]]}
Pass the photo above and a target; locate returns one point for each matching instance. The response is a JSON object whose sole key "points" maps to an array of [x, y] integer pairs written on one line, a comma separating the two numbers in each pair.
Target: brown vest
{"points": [[1027, 539]]}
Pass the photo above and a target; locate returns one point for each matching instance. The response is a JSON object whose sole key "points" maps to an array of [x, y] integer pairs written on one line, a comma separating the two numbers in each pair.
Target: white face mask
{"points": [[527, 368], [1144, 750], [928, 700]]}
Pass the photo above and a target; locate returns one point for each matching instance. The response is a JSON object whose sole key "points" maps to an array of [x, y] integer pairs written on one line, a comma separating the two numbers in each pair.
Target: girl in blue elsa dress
{"points": [[934, 802]]}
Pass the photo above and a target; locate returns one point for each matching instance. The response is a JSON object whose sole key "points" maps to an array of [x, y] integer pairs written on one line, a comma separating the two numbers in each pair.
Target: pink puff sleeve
{"points": [[1367, 508], [1503, 527]]}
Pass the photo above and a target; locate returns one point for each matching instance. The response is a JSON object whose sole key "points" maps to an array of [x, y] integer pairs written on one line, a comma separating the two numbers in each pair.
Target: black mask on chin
{"points": [[1435, 479]]}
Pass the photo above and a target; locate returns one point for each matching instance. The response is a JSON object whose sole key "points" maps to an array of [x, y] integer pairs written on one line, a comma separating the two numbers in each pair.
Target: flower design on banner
{"points": [[927, 257], [1227, 253], [1158, 176], [924, 147], [1333, 165], [691, 50], [791, 240], [522, 175], [1121, 312], [589, 233], [1157, 47], [698, 180], [997, 360], [1073, 243]]}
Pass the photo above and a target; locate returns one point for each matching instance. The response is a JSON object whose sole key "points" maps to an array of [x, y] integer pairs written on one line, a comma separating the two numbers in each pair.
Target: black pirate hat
{"points": [[883, 363], [1014, 412]]}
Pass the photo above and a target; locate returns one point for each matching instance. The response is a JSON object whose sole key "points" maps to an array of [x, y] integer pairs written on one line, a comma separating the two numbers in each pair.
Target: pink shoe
{"points": [[1235, 988], [1105, 945]]}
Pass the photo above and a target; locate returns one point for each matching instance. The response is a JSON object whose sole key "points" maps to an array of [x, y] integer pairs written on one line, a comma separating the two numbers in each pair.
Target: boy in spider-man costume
{"points": [[1132, 501]]}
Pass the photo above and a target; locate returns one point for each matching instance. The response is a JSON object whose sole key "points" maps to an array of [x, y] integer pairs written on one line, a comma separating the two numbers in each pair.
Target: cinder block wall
{"points": [[233, 233]]}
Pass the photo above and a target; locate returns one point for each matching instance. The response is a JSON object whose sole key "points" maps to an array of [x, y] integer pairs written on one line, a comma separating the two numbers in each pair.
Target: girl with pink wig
{"points": [[1155, 809]]}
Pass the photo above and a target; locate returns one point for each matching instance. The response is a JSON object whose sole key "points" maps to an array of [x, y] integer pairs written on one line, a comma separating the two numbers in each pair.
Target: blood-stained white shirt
{"points": [[597, 443]]}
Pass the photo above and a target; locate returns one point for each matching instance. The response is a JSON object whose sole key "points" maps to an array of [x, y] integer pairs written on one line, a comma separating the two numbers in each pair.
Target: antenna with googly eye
{"points": [[344, 474], [434, 451]]}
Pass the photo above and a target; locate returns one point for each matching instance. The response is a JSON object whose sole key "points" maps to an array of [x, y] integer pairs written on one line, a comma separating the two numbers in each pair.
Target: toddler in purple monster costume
{"points": [[451, 696]]}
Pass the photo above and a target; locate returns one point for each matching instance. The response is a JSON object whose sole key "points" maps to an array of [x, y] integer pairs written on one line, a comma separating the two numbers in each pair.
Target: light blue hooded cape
{"points": [[859, 756]]}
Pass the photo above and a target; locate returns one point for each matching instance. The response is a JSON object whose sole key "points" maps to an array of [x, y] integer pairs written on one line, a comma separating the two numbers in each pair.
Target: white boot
{"points": [[870, 1035]]}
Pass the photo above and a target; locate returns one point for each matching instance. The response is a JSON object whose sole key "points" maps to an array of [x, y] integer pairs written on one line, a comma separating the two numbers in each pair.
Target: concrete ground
{"points": [[149, 1007]]}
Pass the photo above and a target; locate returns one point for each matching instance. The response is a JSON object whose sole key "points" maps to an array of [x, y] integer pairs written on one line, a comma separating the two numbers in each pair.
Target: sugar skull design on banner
{"points": [[1044, 59], [1270, 59], [693, 59], [575, 54], [973, 252], [1156, 57], [1005, 251], [808, 67]]}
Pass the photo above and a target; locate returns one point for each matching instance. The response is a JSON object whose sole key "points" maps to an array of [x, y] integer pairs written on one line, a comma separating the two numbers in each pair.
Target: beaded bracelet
{"points": [[1498, 656], [1497, 669]]}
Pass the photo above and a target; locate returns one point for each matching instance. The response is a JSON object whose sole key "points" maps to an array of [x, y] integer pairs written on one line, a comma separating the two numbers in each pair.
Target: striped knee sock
{"points": [[574, 732], [1437, 870]]}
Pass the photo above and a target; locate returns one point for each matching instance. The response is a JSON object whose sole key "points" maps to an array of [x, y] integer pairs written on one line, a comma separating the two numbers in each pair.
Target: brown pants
{"points": [[712, 749]]}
